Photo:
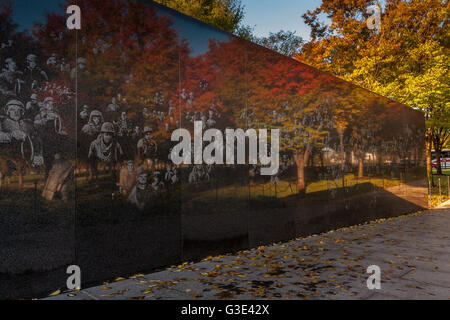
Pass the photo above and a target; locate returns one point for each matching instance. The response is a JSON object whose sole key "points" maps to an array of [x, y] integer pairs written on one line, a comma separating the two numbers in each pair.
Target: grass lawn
{"points": [[436, 197], [444, 171]]}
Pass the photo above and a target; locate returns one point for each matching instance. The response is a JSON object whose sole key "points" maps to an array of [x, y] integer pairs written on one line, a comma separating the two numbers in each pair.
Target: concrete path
{"points": [[413, 253]]}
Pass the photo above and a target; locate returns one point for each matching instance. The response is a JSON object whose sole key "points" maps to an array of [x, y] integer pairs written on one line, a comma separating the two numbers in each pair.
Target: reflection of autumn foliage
{"points": [[132, 50]]}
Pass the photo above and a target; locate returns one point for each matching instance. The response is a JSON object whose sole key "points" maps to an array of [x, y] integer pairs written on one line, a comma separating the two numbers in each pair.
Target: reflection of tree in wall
{"points": [[289, 96], [131, 54]]}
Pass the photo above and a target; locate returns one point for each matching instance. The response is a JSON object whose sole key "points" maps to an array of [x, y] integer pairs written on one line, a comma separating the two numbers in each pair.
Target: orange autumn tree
{"points": [[292, 97], [128, 51]]}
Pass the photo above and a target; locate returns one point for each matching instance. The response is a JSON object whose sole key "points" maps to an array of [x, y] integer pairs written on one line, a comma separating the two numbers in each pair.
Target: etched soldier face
{"points": [[32, 63], [130, 167], [15, 112], [96, 120], [142, 181], [51, 61], [108, 137], [48, 106], [10, 65], [81, 65]]}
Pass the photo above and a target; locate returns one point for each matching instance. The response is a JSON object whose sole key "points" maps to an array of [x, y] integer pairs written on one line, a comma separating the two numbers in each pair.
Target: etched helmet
{"points": [[96, 113], [148, 129], [48, 99], [32, 57], [108, 127], [14, 103]]}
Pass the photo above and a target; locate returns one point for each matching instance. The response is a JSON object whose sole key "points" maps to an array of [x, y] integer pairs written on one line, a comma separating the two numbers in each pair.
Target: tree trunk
{"points": [[20, 173], [379, 162], [348, 161], [428, 146], [360, 167], [341, 149], [301, 158], [438, 161]]}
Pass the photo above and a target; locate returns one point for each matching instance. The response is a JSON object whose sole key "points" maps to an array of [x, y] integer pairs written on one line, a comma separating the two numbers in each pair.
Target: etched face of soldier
{"points": [[123, 115], [10, 65], [14, 112], [108, 137], [81, 63], [48, 104], [130, 166], [142, 181], [96, 119], [52, 60], [31, 61]]}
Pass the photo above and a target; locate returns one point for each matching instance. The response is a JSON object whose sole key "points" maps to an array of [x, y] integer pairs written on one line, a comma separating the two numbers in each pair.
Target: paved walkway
{"points": [[413, 253]]}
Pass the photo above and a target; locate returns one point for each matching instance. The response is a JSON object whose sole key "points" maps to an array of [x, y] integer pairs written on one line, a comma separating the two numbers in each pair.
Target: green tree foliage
{"points": [[224, 14], [407, 60]]}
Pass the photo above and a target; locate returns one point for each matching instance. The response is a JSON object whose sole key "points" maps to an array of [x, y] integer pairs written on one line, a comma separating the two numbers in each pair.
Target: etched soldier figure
{"points": [[33, 74], [157, 185], [203, 119], [52, 62], [4, 136], [80, 69], [32, 107], [171, 175], [127, 178], [211, 123], [84, 114], [123, 125], [140, 195], [136, 132], [183, 94], [162, 116], [171, 107], [113, 106], [195, 116], [52, 66], [105, 148], [11, 79], [7, 44], [147, 147], [12, 126], [197, 174], [63, 66], [47, 118], [94, 125], [145, 113], [190, 101], [15, 128]]}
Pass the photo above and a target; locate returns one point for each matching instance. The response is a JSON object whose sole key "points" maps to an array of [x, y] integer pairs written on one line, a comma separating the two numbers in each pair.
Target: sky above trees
{"points": [[270, 16]]}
